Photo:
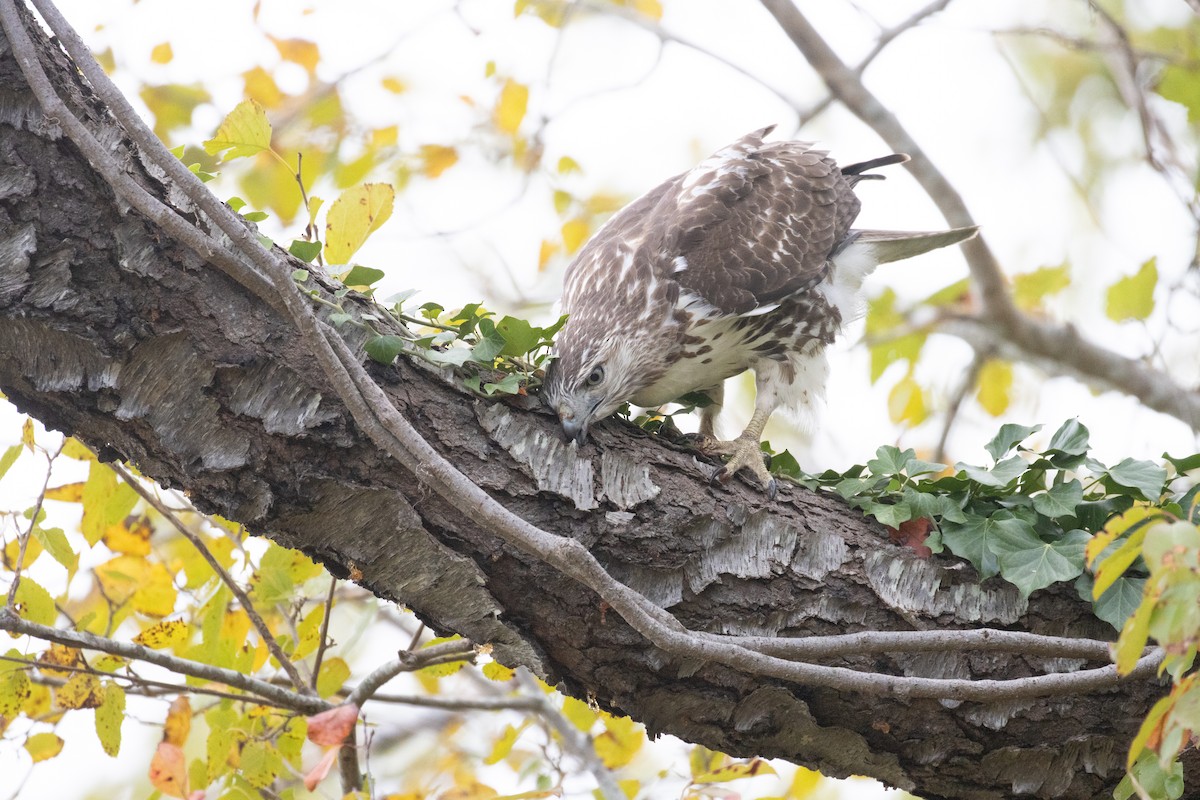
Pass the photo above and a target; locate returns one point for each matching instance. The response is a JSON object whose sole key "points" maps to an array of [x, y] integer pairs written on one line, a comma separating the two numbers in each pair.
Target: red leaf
{"points": [[318, 773], [333, 726], [912, 533]]}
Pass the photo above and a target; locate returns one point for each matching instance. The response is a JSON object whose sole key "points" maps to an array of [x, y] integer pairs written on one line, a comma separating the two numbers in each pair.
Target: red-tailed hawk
{"points": [[746, 261]]}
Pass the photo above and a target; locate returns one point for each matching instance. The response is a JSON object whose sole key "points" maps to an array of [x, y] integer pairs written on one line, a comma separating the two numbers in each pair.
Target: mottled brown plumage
{"points": [[746, 261]]}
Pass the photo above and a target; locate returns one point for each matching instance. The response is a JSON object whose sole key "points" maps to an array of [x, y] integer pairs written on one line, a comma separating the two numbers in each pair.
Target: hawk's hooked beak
{"points": [[574, 422]]}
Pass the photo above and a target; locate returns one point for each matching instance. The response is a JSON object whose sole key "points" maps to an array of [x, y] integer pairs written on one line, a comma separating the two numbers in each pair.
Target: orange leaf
{"points": [[333, 726], [168, 770], [912, 533], [318, 773], [179, 722]]}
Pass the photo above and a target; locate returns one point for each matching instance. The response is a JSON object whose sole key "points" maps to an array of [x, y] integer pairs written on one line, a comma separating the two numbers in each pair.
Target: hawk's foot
{"points": [[743, 454]]}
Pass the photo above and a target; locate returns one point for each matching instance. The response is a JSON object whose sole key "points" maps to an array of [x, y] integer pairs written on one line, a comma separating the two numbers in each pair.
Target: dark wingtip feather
{"points": [[865, 166]]}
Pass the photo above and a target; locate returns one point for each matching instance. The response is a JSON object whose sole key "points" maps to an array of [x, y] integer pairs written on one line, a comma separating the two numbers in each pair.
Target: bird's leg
{"points": [[745, 451], [708, 414]]}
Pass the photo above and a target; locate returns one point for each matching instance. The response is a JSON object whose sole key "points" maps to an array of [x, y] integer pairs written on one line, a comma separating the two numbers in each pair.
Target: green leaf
{"points": [[9, 458], [490, 345], [519, 336], [511, 384], [334, 672], [260, 763], [999, 476], [1031, 564], [245, 131], [1029, 288], [105, 502], [384, 349], [1093, 514], [33, 602], [361, 277], [1119, 601], [1132, 297], [305, 251], [976, 539], [889, 460], [1070, 439], [255, 216], [1060, 500], [1008, 437], [1144, 476], [56, 544], [1170, 545], [300, 275], [1179, 84], [889, 514], [1182, 465]]}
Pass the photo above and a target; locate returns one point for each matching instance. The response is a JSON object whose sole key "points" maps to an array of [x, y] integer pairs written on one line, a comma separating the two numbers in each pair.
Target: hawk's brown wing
{"points": [[752, 224]]}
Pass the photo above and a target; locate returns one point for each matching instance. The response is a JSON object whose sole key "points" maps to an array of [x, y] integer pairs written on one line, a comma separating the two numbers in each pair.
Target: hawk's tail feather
{"points": [[857, 170], [896, 245]]}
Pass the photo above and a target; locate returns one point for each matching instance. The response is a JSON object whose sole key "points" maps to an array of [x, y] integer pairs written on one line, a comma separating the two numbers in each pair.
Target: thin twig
{"points": [[256, 620], [324, 631], [276, 695]]}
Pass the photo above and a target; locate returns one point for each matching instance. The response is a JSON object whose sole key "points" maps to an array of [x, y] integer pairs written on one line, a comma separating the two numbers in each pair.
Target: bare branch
{"points": [[269, 692]]}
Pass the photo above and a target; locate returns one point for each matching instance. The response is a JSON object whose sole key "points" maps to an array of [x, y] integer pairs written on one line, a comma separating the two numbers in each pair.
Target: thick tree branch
{"points": [[118, 332]]}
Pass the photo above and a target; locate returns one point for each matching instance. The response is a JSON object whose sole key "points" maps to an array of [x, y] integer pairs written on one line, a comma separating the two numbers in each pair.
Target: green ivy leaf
{"points": [[384, 349], [305, 251], [510, 385], [1008, 437], [1144, 476], [1118, 602], [491, 343], [361, 277], [1031, 564], [1093, 514], [1070, 439], [1060, 500], [999, 476], [519, 336], [976, 539], [890, 461]]}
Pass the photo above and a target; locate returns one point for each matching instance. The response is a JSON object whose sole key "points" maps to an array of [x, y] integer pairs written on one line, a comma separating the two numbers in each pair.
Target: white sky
{"points": [[632, 113]]}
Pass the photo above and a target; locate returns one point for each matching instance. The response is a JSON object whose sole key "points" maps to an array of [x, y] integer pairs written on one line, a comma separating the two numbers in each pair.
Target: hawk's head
{"points": [[589, 379]]}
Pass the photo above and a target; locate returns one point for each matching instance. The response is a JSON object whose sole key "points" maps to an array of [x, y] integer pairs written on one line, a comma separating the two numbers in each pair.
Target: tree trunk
{"points": [[115, 333]]}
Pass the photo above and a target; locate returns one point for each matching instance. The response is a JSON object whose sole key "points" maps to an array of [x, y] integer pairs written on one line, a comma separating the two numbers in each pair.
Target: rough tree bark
{"points": [[113, 332]]}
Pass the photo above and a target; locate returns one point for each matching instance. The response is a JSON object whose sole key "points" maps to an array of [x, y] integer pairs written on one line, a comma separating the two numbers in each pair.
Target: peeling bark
{"points": [[114, 333]]}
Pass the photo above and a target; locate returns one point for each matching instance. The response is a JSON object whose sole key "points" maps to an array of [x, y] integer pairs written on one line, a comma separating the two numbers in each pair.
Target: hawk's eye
{"points": [[595, 376]]}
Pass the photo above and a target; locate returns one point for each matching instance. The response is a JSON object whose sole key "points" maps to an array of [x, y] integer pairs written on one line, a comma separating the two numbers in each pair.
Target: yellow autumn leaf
{"points": [[510, 108], [245, 131], [67, 493], [995, 386], [60, 655], [354, 216], [730, 772], [131, 537], [109, 716], [178, 723], [385, 137], [504, 745], [260, 85], [82, 690], [38, 703], [73, 448], [42, 746], [578, 713], [906, 401], [498, 672], [804, 783], [27, 434], [106, 501], [147, 586], [169, 633], [394, 85], [12, 551], [162, 53], [1132, 297], [436, 159], [620, 741], [298, 51], [574, 234], [545, 253]]}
